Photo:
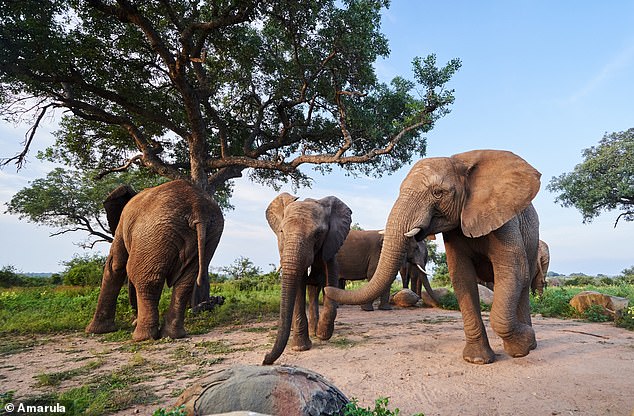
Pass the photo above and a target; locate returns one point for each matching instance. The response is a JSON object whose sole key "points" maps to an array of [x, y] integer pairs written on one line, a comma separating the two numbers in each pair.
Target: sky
{"points": [[542, 79]]}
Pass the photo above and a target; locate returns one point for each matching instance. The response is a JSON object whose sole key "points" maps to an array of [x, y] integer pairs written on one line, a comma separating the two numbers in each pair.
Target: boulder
{"points": [[269, 390], [405, 298], [612, 305], [438, 292], [554, 282], [486, 295]]}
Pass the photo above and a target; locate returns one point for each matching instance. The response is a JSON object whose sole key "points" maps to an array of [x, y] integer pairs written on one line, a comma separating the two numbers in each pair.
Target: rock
{"points": [[486, 295], [405, 298], [438, 292], [554, 282], [612, 305], [269, 390]]}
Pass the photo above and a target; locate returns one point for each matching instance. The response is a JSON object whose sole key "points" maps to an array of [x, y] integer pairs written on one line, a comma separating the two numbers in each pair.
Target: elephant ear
{"points": [[499, 186], [275, 210], [114, 203], [339, 223]]}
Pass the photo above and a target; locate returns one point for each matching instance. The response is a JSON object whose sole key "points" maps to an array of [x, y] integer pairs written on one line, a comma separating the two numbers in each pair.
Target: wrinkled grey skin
{"points": [[358, 257], [309, 234], [114, 204], [481, 202], [166, 234]]}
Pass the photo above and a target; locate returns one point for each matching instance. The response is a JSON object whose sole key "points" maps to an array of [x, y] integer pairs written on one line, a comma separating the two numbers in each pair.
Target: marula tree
{"points": [[209, 90]]}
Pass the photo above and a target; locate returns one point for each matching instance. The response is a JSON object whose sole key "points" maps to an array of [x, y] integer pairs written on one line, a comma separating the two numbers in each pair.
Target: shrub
{"points": [[85, 270], [9, 277], [380, 409], [626, 320]]}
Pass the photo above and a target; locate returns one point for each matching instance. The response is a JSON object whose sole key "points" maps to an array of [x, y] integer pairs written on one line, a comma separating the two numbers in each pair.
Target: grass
{"points": [[55, 379]]}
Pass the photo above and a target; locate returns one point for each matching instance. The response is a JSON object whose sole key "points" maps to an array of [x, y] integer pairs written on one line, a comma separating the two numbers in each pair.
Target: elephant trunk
{"points": [[292, 273], [392, 256]]}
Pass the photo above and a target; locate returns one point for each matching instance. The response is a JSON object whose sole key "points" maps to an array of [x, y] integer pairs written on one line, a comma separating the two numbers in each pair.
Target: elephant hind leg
{"points": [[113, 278], [174, 321], [148, 295]]}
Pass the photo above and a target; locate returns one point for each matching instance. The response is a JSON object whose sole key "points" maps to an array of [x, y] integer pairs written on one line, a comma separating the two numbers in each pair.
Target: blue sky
{"points": [[543, 79]]}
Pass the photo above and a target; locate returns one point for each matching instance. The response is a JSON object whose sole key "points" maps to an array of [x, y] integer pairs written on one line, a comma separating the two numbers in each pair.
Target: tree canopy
{"points": [[207, 90], [604, 181]]}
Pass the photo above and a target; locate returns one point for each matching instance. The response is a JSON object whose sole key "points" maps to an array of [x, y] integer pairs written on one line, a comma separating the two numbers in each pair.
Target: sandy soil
{"points": [[413, 356]]}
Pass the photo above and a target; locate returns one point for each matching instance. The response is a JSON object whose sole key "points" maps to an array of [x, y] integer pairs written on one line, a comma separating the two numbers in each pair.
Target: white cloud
{"points": [[616, 65]]}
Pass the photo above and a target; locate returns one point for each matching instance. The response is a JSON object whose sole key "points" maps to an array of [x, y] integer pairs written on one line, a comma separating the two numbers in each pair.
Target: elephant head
{"points": [[475, 192], [309, 234]]}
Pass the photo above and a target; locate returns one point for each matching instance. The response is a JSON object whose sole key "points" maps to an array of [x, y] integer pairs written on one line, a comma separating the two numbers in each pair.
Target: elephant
{"points": [[543, 261], [113, 205], [166, 234], [359, 255], [480, 201], [309, 234]]}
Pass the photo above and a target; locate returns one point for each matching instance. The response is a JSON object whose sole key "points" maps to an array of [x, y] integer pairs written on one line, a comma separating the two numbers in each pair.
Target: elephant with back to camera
{"points": [[309, 234], [481, 202], [359, 255], [166, 234], [114, 204]]}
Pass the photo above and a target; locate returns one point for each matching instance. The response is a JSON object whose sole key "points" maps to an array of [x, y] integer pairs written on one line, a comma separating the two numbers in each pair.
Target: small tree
{"points": [[73, 201], [604, 181]]}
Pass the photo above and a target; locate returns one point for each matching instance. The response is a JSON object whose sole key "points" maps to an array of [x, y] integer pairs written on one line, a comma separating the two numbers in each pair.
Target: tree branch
{"points": [[20, 158]]}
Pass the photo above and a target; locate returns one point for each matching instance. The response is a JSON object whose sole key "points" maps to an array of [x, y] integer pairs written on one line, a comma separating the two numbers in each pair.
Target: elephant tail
{"points": [[201, 233]]}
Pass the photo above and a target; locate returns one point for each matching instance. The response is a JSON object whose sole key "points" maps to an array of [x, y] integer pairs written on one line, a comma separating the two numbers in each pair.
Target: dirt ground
{"points": [[412, 356]]}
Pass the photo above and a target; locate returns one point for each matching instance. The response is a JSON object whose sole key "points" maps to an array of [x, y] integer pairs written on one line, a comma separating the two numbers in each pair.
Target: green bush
{"points": [[380, 409], [626, 320], [85, 270], [555, 302]]}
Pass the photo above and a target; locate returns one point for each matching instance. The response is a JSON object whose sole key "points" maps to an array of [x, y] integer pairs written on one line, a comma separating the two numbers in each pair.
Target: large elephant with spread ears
{"points": [[481, 202], [166, 234], [309, 234]]}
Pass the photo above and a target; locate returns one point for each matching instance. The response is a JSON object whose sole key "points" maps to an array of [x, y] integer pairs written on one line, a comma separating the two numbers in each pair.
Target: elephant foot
{"points": [[95, 327], [324, 332], [144, 334], [301, 344], [174, 332], [521, 342], [367, 307], [386, 307], [477, 353]]}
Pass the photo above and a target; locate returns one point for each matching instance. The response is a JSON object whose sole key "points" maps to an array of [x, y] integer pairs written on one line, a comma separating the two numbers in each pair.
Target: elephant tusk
{"points": [[382, 232], [412, 232], [421, 269]]}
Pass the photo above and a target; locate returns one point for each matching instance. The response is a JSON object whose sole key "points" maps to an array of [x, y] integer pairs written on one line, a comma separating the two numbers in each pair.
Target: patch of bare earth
{"points": [[412, 356]]}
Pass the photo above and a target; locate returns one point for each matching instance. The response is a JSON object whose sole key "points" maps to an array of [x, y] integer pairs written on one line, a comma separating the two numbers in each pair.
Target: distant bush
{"points": [[85, 270]]}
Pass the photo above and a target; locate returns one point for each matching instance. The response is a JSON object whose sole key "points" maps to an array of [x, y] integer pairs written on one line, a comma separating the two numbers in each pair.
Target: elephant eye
{"points": [[437, 193]]}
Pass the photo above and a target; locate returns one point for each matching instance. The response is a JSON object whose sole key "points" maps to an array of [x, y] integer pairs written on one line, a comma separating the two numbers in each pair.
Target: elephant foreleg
{"points": [[463, 279], [113, 278], [510, 313], [300, 340], [313, 308]]}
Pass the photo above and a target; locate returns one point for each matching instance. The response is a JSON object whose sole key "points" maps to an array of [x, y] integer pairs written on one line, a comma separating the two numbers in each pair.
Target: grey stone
{"points": [[405, 298], [269, 390], [486, 295]]}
